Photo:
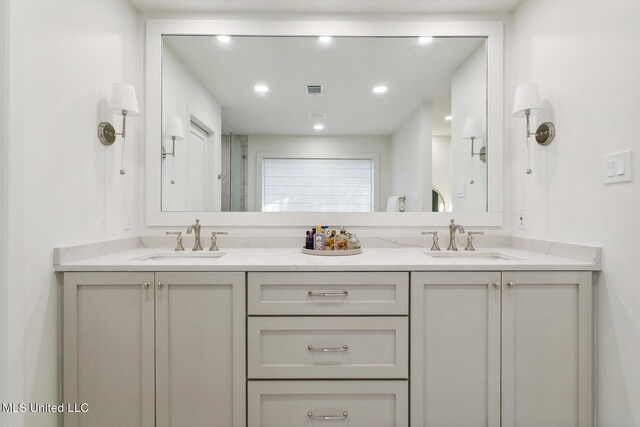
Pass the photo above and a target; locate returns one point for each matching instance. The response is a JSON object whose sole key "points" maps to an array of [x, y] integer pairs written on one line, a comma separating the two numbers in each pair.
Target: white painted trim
{"points": [[155, 28], [351, 156]]}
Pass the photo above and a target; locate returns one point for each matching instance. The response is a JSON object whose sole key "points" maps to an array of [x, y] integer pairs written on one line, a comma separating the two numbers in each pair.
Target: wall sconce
{"points": [[124, 103], [527, 103], [173, 131], [473, 129]]}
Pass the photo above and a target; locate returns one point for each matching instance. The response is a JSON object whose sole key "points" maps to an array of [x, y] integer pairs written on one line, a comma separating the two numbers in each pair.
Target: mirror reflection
{"points": [[324, 124]]}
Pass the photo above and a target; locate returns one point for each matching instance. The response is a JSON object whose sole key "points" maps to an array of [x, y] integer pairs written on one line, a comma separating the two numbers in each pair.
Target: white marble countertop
{"points": [[292, 259]]}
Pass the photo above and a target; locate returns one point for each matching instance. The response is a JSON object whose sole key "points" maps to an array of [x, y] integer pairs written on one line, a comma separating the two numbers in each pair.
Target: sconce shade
{"points": [[527, 98], [123, 97], [473, 128], [173, 129]]}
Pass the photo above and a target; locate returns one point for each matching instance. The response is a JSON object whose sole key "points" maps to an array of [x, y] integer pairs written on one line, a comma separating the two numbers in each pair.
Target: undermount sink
{"points": [[172, 256], [472, 255]]}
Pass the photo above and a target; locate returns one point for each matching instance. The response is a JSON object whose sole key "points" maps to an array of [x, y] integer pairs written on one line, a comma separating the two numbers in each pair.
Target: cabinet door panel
{"points": [[328, 293], [108, 348], [362, 403], [200, 355], [546, 349], [455, 349], [367, 347]]}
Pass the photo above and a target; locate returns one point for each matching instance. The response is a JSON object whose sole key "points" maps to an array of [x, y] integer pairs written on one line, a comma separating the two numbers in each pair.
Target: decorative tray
{"points": [[332, 253]]}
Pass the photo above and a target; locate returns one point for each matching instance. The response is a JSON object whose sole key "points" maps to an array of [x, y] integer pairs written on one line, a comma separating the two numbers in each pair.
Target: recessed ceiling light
{"points": [[325, 39], [448, 118], [380, 89], [425, 40], [261, 88], [224, 39], [318, 127]]}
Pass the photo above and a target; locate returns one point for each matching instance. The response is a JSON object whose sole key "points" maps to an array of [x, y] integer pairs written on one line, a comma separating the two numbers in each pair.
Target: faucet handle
{"points": [[470, 235], [178, 235], [435, 246], [214, 240]]}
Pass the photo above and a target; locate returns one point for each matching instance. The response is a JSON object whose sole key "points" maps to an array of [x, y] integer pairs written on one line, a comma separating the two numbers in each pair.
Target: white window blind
{"points": [[317, 185]]}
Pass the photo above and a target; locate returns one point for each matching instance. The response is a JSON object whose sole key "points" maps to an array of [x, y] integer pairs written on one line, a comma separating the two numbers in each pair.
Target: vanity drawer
{"points": [[332, 293], [305, 403], [328, 347]]}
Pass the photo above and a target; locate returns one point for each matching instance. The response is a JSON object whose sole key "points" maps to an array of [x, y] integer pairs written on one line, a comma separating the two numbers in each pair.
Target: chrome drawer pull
{"points": [[344, 416], [328, 294], [327, 349]]}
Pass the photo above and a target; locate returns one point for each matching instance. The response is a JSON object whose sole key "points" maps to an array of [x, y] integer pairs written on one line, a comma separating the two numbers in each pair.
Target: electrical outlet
{"points": [[522, 219], [127, 220]]}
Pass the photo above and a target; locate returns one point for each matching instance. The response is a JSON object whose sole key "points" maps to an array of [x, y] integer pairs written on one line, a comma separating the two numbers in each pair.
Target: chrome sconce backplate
{"points": [[106, 133], [483, 154], [545, 133]]}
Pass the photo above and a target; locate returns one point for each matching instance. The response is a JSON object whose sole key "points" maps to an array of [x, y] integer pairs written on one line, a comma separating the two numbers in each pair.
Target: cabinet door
{"points": [[200, 349], [455, 349], [547, 333], [108, 354]]}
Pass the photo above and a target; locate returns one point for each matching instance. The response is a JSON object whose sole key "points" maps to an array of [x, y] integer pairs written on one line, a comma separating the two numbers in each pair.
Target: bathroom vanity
{"points": [[273, 337]]}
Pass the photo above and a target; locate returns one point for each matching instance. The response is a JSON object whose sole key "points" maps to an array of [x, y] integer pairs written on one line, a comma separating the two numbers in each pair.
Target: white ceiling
{"points": [[328, 6], [348, 68]]}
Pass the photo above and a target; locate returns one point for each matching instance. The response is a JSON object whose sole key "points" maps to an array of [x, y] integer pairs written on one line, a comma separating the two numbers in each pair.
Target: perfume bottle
{"points": [[318, 239]]}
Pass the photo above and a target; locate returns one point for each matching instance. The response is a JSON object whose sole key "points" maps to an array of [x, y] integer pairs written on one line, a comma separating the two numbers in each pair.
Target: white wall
{"points": [[184, 95], [442, 168], [321, 146], [586, 57], [64, 186], [411, 160], [468, 99]]}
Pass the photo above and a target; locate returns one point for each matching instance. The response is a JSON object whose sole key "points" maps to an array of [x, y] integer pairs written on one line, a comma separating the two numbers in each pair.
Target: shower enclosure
{"points": [[234, 173]]}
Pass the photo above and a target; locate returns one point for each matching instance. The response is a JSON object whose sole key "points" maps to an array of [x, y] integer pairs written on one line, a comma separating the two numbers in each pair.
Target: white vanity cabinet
{"points": [[383, 349], [154, 349], [510, 349], [328, 348]]}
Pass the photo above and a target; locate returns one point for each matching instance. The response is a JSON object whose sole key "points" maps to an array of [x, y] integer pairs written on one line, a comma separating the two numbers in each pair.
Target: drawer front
{"points": [[332, 293], [307, 403], [328, 347]]}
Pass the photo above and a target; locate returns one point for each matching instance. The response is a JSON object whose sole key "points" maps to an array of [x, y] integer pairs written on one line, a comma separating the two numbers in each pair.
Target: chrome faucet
{"points": [[178, 235], [214, 240], [434, 246], [470, 235], [453, 227], [195, 228]]}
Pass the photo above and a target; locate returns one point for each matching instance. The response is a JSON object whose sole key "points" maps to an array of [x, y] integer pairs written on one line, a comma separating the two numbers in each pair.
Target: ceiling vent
{"points": [[317, 115], [314, 90]]}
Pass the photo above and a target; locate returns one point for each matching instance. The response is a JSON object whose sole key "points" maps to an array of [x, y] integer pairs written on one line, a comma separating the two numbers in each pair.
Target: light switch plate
{"points": [[127, 220], [522, 219], [618, 167], [460, 191]]}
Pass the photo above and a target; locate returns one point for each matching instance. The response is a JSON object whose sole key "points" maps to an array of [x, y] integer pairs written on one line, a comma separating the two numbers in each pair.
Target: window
{"points": [[317, 185]]}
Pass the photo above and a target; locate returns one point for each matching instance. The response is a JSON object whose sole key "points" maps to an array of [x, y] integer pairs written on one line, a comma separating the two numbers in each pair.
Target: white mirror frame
{"points": [[155, 29]]}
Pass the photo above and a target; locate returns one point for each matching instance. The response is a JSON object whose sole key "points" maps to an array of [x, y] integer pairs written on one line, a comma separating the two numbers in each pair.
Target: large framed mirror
{"points": [[253, 123]]}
